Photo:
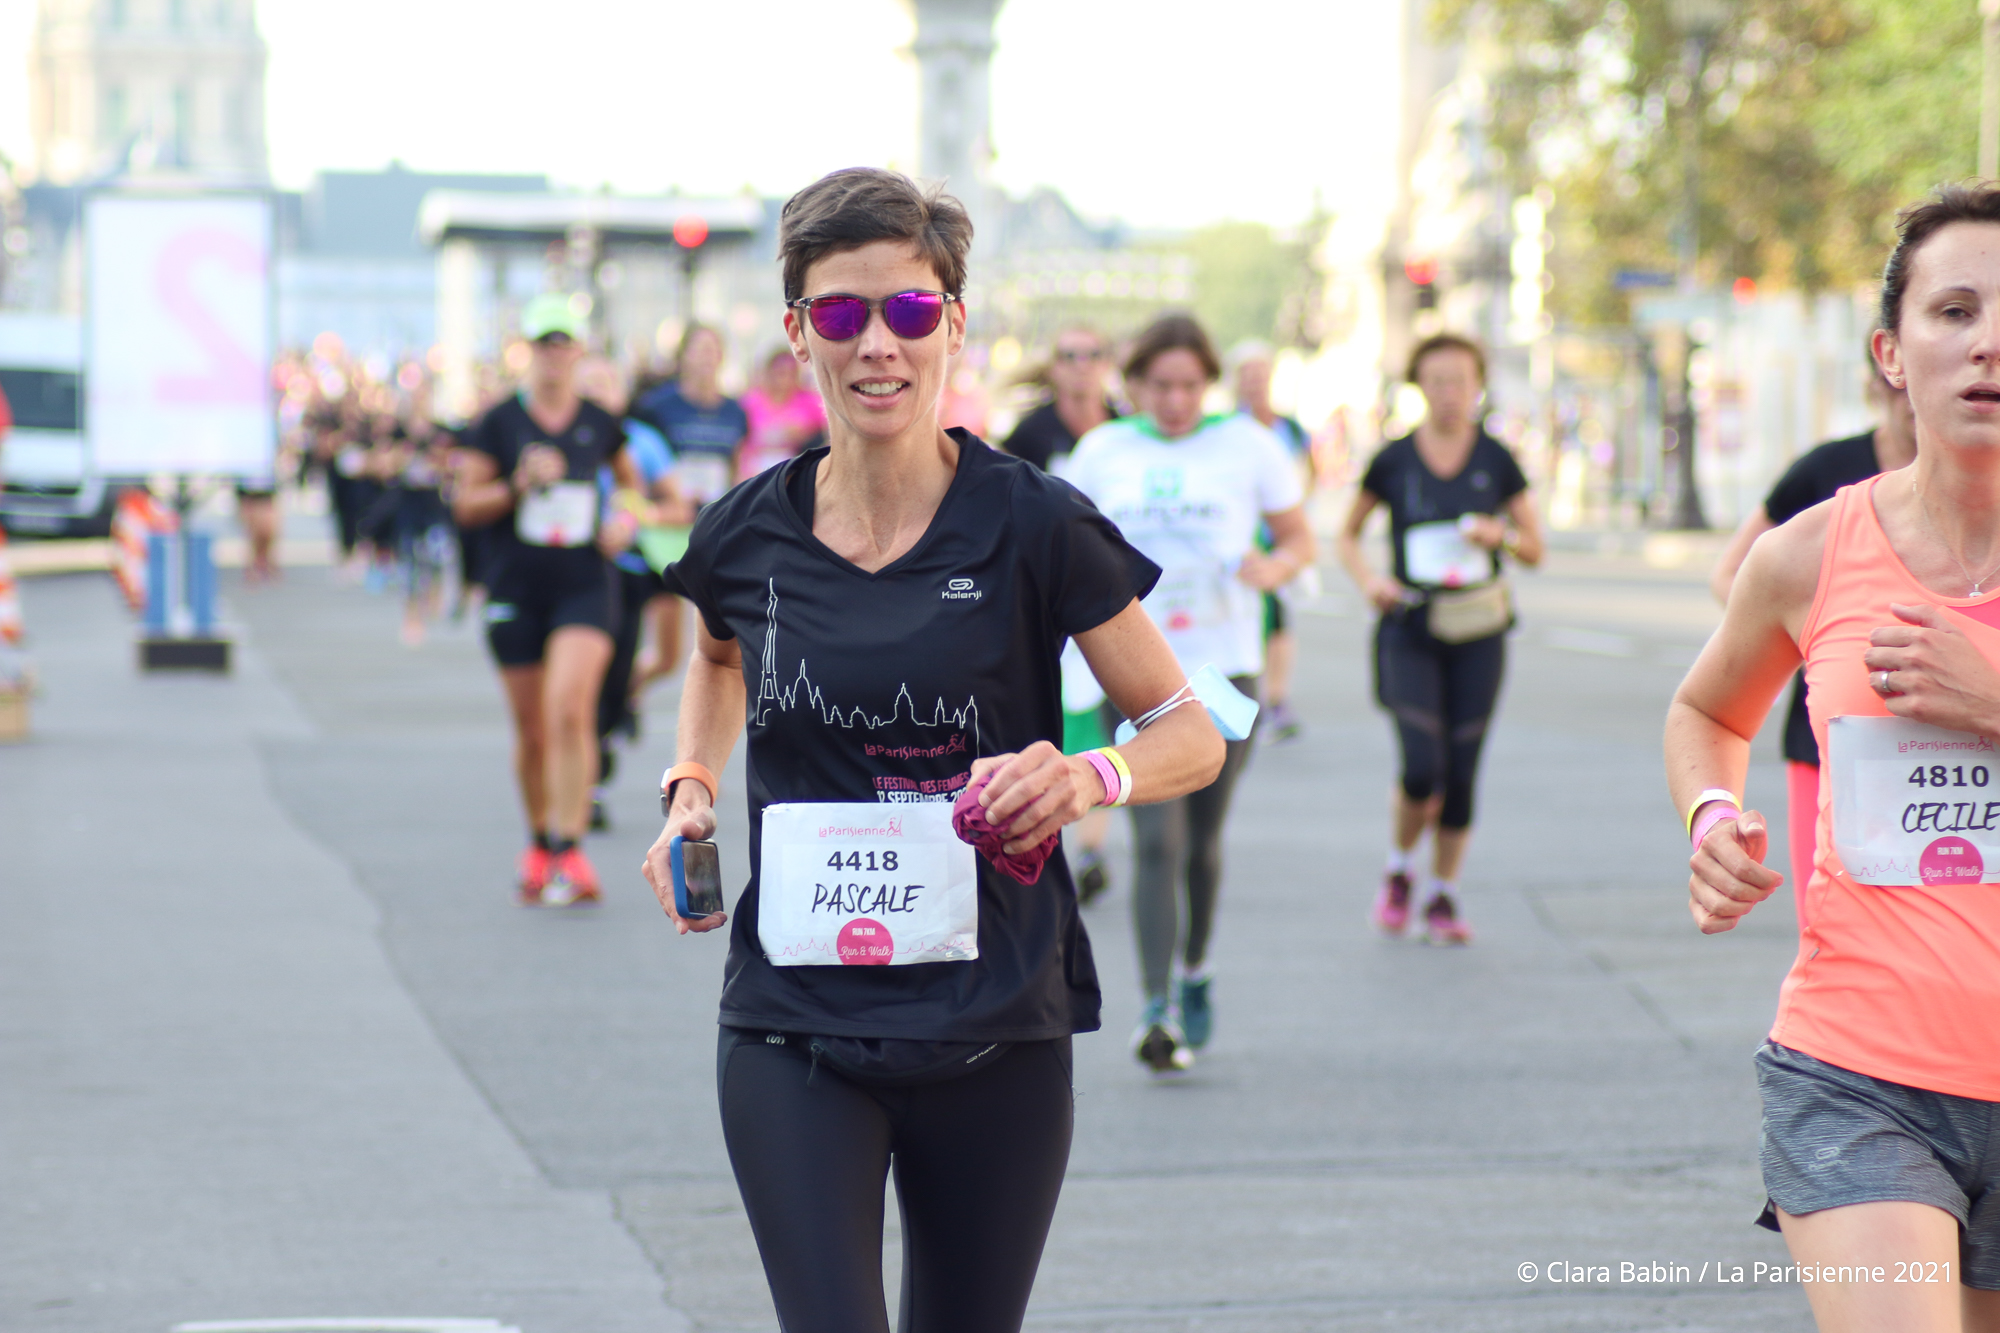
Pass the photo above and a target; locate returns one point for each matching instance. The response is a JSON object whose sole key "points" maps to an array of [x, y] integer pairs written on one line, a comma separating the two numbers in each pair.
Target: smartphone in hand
{"points": [[697, 873]]}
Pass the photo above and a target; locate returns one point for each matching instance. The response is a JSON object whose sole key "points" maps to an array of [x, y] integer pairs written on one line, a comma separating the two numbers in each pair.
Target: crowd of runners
{"points": [[1098, 603]]}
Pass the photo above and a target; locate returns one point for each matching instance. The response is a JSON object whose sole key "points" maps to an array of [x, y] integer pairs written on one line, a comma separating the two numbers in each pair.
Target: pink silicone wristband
{"points": [[1107, 774], [1708, 817]]}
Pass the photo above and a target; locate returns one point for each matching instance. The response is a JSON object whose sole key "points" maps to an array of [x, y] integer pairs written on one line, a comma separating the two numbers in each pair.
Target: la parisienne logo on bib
{"points": [[962, 590]]}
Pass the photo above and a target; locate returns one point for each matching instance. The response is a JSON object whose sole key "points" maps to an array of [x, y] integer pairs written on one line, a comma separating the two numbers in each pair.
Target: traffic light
{"points": [[1422, 274]]}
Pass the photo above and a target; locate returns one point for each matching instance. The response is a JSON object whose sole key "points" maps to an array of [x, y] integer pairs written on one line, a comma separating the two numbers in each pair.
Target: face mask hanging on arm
{"points": [[1232, 711]]}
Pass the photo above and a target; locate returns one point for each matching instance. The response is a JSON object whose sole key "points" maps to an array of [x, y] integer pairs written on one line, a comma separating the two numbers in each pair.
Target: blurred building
{"points": [[350, 261], [148, 84]]}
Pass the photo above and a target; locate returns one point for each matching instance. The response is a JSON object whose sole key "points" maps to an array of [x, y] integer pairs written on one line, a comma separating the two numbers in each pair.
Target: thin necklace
{"points": [[1931, 523]]}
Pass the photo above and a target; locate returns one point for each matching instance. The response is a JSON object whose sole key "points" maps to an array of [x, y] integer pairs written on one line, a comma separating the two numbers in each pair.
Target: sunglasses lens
{"points": [[838, 318], [913, 314]]}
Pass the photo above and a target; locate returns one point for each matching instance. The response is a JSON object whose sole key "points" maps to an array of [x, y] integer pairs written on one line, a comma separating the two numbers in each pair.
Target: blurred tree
{"points": [[1817, 119], [1251, 283]]}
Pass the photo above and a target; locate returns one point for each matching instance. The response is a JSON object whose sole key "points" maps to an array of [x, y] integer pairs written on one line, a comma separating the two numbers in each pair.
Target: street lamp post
{"points": [[1700, 22]]}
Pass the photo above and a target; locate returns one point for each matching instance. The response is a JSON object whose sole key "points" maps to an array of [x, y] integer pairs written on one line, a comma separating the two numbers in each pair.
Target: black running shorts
{"points": [[1834, 1137], [521, 613]]}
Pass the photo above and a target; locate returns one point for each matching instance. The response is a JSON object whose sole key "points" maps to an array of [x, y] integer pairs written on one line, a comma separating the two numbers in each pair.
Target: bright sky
{"points": [[1171, 113]]}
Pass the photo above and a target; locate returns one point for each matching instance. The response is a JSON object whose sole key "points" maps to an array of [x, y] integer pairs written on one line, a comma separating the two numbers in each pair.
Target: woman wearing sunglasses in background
{"points": [[1190, 491], [887, 611]]}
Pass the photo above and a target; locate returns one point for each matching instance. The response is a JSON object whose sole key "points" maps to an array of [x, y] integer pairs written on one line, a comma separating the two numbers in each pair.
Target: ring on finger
{"points": [[1880, 680]]}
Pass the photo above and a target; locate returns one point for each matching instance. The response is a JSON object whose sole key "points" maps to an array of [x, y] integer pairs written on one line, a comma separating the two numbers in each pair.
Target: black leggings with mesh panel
{"points": [[1441, 696]]}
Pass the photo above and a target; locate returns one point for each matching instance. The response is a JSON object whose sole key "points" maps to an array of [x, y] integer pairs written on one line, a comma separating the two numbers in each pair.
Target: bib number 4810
{"points": [[1955, 775]]}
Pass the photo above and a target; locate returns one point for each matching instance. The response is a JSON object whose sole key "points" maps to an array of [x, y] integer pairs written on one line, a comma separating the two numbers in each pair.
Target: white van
{"points": [[47, 487]]}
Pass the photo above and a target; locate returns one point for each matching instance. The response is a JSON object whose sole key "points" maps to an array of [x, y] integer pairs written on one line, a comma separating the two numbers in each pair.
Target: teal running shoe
{"points": [[1158, 1041], [1197, 1018]]}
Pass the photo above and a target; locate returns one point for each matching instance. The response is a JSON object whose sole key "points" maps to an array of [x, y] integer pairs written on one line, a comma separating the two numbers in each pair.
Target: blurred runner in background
{"points": [[784, 416], [1441, 633], [704, 429], [1254, 364], [1075, 374], [530, 473], [639, 585], [423, 524], [1077, 405], [1189, 492], [1813, 477]]}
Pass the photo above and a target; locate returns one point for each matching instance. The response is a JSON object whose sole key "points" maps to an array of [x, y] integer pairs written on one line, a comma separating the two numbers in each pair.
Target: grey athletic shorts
{"points": [[1833, 1137]]}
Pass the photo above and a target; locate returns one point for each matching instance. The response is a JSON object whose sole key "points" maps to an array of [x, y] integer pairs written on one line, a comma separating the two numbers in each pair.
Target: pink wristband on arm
{"points": [[1706, 818], [1105, 774]]}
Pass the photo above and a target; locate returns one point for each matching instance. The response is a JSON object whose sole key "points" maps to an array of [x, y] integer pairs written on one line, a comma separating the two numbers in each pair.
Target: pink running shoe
{"points": [[1392, 905], [1441, 923], [533, 875]]}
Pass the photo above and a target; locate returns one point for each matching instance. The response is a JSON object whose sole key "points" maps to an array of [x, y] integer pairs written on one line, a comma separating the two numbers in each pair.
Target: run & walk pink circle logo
{"points": [[864, 940], [1951, 861]]}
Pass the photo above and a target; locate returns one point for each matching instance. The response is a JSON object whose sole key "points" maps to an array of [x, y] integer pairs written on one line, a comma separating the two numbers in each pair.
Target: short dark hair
{"points": [[1171, 333], [857, 206], [1445, 342], [1960, 201]]}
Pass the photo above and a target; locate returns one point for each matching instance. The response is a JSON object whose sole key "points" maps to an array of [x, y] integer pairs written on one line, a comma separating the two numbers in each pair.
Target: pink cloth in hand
{"points": [[968, 820]]}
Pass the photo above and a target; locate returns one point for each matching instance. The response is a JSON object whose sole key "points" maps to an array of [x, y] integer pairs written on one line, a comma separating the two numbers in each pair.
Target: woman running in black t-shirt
{"points": [[1440, 642], [888, 613], [529, 476]]}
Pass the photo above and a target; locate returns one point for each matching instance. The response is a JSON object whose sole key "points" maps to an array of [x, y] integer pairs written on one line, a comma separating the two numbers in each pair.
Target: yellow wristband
{"points": [[1712, 794], [1124, 774]]}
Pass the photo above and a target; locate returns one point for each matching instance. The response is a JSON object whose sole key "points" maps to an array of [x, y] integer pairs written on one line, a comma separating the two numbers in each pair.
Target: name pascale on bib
{"points": [[1914, 804], [847, 883]]}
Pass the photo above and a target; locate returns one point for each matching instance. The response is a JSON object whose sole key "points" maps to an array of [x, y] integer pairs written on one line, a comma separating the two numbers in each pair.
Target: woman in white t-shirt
{"points": [[1189, 491]]}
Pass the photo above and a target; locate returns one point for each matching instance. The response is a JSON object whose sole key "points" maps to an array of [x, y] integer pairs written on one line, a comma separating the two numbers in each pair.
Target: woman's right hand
{"points": [[1729, 876], [1385, 594], [692, 818]]}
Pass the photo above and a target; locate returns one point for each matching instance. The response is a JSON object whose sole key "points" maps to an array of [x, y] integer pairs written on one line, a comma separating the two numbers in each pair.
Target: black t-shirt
{"points": [[884, 688], [1813, 478], [1414, 494], [1817, 473], [1041, 437], [591, 440]]}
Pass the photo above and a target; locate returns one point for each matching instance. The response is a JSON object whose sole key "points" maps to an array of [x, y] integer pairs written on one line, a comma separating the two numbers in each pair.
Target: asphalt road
{"points": [[275, 1042]]}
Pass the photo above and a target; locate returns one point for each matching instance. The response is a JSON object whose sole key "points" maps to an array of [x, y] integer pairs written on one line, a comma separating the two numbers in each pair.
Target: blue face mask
{"points": [[1232, 711]]}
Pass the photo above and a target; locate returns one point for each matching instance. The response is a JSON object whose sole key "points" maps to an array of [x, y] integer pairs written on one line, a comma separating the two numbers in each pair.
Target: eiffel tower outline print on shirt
{"points": [[950, 735]]}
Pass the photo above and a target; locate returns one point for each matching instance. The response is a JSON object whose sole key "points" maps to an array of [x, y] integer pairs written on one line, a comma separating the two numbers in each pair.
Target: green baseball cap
{"points": [[554, 313]]}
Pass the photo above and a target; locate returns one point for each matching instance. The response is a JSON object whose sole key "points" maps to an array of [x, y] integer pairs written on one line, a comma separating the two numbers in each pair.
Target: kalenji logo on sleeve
{"points": [[961, 590]]}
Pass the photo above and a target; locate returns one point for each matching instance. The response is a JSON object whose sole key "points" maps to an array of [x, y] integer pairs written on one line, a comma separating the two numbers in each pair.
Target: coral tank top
{"points": [[1898, 983]]}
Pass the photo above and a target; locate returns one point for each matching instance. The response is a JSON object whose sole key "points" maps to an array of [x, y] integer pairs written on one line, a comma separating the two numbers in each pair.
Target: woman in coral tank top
{"points": [[1881, 1077]]}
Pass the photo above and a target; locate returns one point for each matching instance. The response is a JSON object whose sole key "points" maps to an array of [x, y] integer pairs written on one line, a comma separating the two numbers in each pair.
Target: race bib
{"points": [[564, 514], [1914, 804], [1439, 556], [1190, 597], [855, 884], [702, 477]]}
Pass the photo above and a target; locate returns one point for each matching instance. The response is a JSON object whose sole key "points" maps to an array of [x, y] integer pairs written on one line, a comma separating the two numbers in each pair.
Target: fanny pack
{"points": [[1465, 614], [892, 1062]]}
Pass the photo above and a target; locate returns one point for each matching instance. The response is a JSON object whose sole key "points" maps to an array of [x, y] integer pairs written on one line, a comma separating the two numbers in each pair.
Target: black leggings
{"points": [[1176, 847], [1441, 696], [614, 696], [979, 1161]]}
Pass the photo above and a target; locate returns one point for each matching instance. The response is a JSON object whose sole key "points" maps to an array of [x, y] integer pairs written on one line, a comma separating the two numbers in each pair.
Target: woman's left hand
{"points": [[1034, 793], [1927, 671]]}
